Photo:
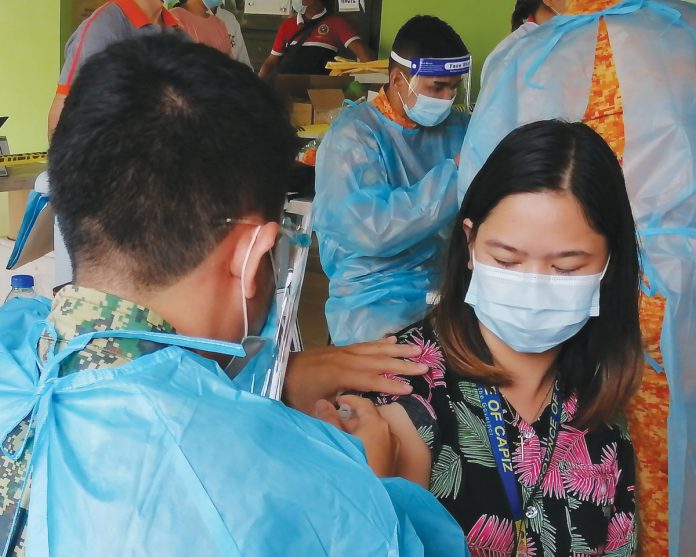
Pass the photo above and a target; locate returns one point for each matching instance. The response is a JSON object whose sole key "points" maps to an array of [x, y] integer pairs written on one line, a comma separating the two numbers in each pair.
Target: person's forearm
{"points": [[268, 68], [362, 53], [54, 113]]}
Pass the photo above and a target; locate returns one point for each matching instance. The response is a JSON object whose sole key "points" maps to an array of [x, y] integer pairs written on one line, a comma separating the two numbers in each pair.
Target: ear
{"points": [[264, 242], [395, 77], [468, 228]]}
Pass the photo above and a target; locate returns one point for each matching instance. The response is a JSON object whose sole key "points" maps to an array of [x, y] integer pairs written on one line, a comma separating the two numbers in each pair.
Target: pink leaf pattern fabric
{"points": [[595, 482], [586, 501], [491, 537], [620, 531]]}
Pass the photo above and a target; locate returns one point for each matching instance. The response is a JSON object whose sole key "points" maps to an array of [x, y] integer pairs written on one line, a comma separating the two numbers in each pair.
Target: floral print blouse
{"points": [[586, 501]]}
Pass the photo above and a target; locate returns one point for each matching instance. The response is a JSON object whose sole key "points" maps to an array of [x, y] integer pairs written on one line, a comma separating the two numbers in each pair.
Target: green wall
{"points": [[30, 47], [480, 23]]}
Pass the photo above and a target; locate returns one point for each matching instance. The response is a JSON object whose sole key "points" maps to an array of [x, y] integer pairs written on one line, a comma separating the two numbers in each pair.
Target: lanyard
{"points": [[495, 426]]}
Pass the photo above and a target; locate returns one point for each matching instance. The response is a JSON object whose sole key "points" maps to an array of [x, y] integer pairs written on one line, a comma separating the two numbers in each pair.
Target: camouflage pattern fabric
{"points": [[75, 311]]}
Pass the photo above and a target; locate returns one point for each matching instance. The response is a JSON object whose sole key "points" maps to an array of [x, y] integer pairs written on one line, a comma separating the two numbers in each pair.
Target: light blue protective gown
{"points": [[165, 457], [384, 207], [547, 74]]}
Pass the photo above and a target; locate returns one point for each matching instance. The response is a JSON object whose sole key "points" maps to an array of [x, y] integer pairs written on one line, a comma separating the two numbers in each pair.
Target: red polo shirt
{"points": [[332, 33]]}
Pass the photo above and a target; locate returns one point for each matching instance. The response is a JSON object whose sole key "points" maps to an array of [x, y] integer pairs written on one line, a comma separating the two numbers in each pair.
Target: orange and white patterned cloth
{"points": [[381, 102], [648, 411]]}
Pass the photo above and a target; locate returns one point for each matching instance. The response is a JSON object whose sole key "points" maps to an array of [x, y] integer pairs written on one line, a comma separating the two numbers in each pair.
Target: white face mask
{"points": [[532, 313], [299, 7], [245, 310]]}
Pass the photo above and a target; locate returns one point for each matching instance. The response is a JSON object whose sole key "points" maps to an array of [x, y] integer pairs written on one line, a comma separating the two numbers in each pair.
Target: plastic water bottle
{"points": [[22, 287]]}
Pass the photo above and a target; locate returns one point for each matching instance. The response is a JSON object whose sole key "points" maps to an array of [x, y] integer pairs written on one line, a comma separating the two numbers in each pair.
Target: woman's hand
{"points": [[365, 422], [324, 373]]}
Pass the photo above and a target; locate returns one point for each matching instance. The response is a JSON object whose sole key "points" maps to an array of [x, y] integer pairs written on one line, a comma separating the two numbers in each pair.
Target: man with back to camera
{"points": [[386, 187], [138, 444]]}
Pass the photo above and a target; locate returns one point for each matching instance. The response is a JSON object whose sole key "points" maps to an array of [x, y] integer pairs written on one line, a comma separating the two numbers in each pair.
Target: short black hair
{"points": [[159, 142], [426, 36]]}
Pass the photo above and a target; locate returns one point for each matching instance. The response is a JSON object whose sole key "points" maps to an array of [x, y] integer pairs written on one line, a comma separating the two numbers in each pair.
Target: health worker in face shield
{"points": [[121, 435], [626, 68], [386, 186]]}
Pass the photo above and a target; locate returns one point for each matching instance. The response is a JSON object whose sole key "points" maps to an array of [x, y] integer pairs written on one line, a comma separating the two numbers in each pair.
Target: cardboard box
{"points": [[324, 102], [296, 86], [301, 113], [305, 109]]}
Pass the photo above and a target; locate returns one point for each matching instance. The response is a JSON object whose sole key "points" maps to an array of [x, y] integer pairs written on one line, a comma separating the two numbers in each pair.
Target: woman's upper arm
{"points": [[414, 459]]}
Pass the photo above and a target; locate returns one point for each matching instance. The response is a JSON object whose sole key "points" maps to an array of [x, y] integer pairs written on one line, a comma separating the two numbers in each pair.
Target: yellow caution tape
{"points": [[22, 158]]}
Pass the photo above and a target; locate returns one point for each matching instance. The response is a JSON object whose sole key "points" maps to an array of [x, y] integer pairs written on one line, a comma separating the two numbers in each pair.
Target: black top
{"points": [[586, 502]]}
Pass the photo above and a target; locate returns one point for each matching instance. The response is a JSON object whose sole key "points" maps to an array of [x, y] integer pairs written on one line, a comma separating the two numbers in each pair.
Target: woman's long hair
{"points": [[602, 362]]}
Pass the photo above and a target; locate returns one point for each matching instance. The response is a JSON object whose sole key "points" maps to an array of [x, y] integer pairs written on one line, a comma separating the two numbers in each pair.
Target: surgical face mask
{"points": [[428, 111], [212, 4], [532, 313], [299, 7]]}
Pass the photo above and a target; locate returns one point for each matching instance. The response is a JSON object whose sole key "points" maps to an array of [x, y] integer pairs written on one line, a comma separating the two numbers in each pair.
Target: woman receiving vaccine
{"points": [[534, 349]]}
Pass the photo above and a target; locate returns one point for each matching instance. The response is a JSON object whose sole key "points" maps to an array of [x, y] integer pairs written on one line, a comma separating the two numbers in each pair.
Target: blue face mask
{"points": [[428, 111], [211, 4], [299, 7], [532, 313]]}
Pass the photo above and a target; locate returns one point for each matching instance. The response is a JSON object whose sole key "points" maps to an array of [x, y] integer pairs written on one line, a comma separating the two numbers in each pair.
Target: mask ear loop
{"points": [[604, 272], [409, 88], [244, 266], [550, 7]]}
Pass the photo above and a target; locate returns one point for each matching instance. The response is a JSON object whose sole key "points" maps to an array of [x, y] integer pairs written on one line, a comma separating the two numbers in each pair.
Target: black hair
{"points": [[601, 363], [328, 5], [426, 36], [160, 141], [524, 9]]}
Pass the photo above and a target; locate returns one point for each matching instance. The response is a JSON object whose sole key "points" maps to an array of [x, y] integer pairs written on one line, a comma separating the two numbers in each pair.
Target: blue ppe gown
{"points": [[384, 208], [165, 456], [547, 74]]}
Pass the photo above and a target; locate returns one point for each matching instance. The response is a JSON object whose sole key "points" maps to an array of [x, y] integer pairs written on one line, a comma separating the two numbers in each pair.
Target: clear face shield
{"points": [[262, 371], [435, 87]]}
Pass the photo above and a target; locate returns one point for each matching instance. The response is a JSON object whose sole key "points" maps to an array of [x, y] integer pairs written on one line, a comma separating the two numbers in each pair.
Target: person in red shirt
{"points": [[307, 41]]}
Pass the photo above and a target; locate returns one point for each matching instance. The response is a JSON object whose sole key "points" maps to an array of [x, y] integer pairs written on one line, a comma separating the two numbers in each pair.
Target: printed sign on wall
{"points": [[269, 7], [350, 5]]}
